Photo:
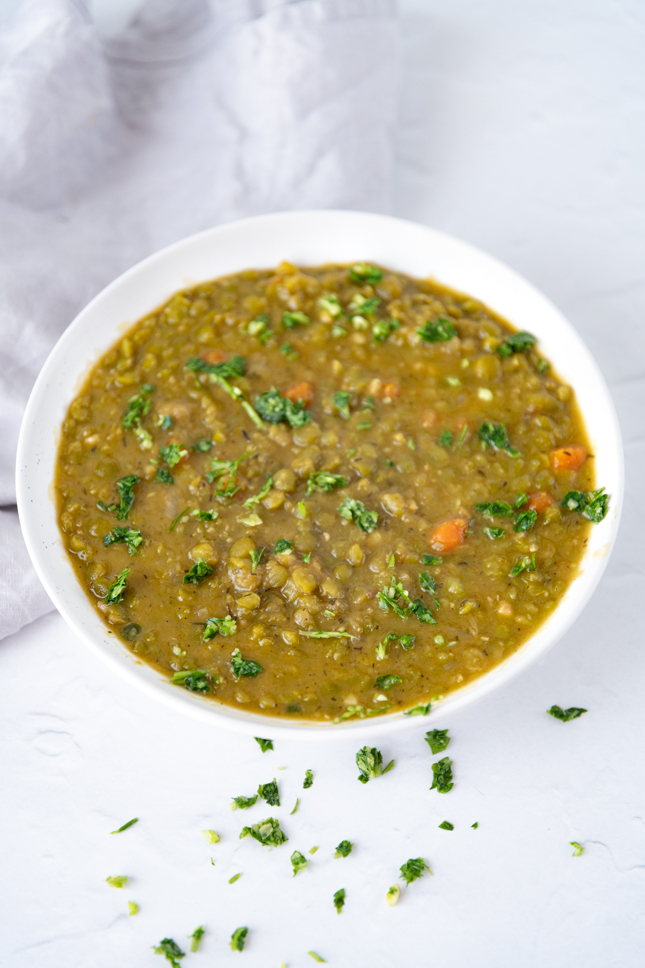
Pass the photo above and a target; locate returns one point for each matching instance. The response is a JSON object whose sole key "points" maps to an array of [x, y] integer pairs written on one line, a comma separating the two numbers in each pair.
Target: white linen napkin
{"points": [[197, 113]]}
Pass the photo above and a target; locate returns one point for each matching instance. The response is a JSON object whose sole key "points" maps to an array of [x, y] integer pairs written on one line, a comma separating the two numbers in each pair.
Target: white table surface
{"points": [[522, 131]]}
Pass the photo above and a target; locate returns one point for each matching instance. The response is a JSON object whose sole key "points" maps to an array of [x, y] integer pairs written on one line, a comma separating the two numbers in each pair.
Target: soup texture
{"points": [[324, 493]]}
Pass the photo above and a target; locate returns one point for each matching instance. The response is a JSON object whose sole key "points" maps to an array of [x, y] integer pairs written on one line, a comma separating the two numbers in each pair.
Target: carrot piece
{"points": [[390, 390], [539, 501], [568, 458], [299, 391], [214, 356], [448, 535]]}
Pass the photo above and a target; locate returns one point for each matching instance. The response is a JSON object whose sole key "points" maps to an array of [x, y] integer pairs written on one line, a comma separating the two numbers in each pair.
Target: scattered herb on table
{"points": [[299, 862], [438, 740], [198, 573], [195, 938], [264, 744], [393, 895], [270, 793], [238, 939], [573, 712], [219, 626], [266, 832], [244, 667], [243, 803], [446, 825], [592, 505], [370, 764], [171, 950], [317, 957], [353, 510], [125, 826], [234, 878], [339, 899], [117, 588], [210, 836], [309, 779], [132, 908], [295, 807], [439, 331], [413, 869], [344, 849], [117, 880], [577, 848], [442, 779]]}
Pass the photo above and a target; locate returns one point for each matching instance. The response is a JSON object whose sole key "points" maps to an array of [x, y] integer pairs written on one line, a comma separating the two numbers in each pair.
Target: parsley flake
{"points": [[195, 680], [203, 446], [117, 588], [353, 510], [264, 744], [446, 825], [431, 559], [171, 454], [526, 563], [438, 332], [171, 950], [387, 682], [573, 712], [138, 407], [383, 328], [495, 435], [196, 937], [198, 573], [369, 761], [324, 482], [238, 939], [274, 408], [341, 402], [421, 710], [129, 536], [362, 272], [442, 780], [525, 520], [256, 498], [219, 626], [592, 505], [495, 509], [495, 533], [299, 862], [291, 320], [270, 793], [309, 779], [125, 826], [413, 869], [164, 476], [339, 899], [266, 832], [243, 803], [330, 304], [344, 849], [516, 343], [438, 740], [283, 547], [445, 438], [117, 880], [244, 667]]}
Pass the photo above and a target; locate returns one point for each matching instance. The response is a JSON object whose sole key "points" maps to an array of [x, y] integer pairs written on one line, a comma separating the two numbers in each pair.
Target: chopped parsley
{"points": [[525, 520], [438, 740], [205, 515], [274, 408], [422, 612], [171, 950], [341, 402], [216, 626], [138, 407], [287, 350], [386, 682], [203, 446], [124, 487], [516, 343], [164, 476], [344, 849], [243, 803], [309, 779], [407, 641], [475, 825], [592, 505], [117, 880], [176, 520], [234, 878], [264, 744], [573, 712], [353, 510], [291, 320], [238, 939], [431, 560], [228, 370], [495, 533], [521, 499], [132, 908], [317, 634], [427, 583], [295, 807], [383, 328], [542, 366], [196, 937], [339, 899], [258, 327], [324, 482], [363, 305], [446, 825], [495, 435], [165, 421], [117, 588], [442, 779], [171, 454], [198, 573], [421, 710], [577, 848], [220, 468], [495, 509], [195, 680], [299, 862], [445, 438], [270, 793], [362, 272], [330, 304], [256, 498], [413, 869], [266, 832], [282, 546], [393, 895], [129, 536], [125, 826], [210, 836], [526, 563], [369, 761], [389, 598], [256, 557], [438, 332], [244, 667]]}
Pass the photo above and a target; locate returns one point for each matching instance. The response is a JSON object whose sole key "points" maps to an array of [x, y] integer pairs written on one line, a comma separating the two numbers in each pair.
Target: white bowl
{"points": [[304, 238]]}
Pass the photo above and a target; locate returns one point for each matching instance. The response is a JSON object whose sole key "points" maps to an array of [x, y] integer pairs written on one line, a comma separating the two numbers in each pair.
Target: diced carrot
{"points": [[428, 419], [299, 391], [390, 391], [568, 458], [448, 535], [539, 501], [214, 356]]}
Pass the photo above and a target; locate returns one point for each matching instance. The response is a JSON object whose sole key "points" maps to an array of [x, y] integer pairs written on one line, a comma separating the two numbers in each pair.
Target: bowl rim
{"points": [[299, 231]]}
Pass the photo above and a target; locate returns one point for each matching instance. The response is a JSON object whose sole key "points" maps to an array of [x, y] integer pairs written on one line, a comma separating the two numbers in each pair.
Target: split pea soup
{"points": [[325, 493]]}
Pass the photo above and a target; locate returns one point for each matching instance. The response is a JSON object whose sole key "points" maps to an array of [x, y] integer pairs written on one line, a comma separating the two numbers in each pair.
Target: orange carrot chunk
{"points": [[539, 501], [568, 458], [390, 391], [448, 535], [214, 356], [299, 391]]}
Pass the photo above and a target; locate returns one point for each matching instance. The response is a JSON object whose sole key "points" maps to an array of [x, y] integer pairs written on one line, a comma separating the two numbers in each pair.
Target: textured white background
{"points": [[522, 131]]}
